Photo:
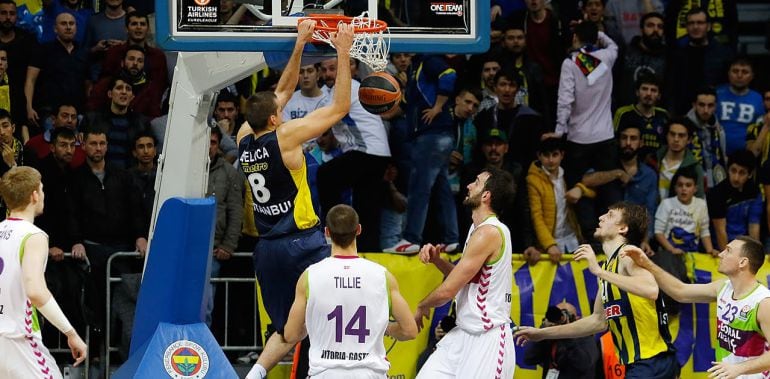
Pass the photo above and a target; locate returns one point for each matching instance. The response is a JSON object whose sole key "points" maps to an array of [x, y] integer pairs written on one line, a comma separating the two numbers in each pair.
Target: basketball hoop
{"points": [[370, 42]]}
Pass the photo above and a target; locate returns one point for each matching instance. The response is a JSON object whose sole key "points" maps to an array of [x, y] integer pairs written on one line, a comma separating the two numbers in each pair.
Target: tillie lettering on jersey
{"points": [[6, 233], [250, 156], [347, 282]]}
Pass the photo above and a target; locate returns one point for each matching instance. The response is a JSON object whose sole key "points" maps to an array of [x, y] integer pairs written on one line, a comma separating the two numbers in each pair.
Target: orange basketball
{"points": [[379, 93]]}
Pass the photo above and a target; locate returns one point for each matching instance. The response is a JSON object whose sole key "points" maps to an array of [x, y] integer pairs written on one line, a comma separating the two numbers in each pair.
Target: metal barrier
{"points": [[227, 282], [61, 346]]}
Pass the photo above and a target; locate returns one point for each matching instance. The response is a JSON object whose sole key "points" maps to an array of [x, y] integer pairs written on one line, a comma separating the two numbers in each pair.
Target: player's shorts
{"points": [[26, 358], [661, 366], [279, 263], [463, 355], [350, 373]]}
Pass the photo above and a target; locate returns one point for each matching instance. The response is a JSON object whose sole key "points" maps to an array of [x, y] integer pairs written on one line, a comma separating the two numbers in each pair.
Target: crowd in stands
{"points": [[585, 103]]}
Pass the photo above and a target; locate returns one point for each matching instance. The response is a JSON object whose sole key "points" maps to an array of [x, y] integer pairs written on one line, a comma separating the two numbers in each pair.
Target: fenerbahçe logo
{"points": [[185, 359]]}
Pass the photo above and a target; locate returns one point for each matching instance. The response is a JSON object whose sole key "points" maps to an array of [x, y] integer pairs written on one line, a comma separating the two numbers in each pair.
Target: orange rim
{"points": [[379, 25]]}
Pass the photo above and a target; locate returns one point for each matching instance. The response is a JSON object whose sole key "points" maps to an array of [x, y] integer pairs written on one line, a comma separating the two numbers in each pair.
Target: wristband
{"points": [[55, 316]]}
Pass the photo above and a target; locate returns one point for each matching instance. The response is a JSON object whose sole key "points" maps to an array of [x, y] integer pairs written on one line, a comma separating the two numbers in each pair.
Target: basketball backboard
{"points": [[415, 26]]}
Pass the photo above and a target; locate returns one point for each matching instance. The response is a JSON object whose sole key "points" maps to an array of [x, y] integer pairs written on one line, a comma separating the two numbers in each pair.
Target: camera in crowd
{"points": [[557, 316]]}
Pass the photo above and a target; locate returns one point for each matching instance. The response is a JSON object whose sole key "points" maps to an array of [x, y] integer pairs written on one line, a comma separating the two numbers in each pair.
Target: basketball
{"points": [[379, 93]]}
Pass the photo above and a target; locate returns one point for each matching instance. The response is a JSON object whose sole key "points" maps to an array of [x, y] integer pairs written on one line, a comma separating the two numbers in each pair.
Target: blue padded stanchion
{"points": [[169, 337]]}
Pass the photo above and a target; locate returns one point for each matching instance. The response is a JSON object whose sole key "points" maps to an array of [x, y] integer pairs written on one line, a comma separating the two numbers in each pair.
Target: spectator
{"points": [[757, 136], [646, 115], [118, 122], [137, 28], [227, 114], [676, 155], [523, 125], [308, 97], [20, 47], [735, 205], [515, 57], [682, 219], [569, 358], [105, 218], [737, 104], [51, 11], [39, 146], [56, 73], [490, 65], [583, 112], [434, 121], [702, 61], [556, 225], [143, 173], [364, 143], [645, 55], [622, 17], [226, 185], [148, 93], [56, 170], [12, 150], [7, 93], [465, 107], [544, 40], [105, 29], [640, 182], [593, 10], [494, 146], [709, 144], [723, 15]]}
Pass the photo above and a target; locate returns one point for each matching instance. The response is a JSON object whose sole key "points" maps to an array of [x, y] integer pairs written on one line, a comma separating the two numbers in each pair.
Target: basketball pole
{"points": [[183, 165], [169, 334]]}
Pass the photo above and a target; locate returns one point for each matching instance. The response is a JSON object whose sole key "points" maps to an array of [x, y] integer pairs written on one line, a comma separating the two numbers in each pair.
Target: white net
{"points": [[370, 48]]}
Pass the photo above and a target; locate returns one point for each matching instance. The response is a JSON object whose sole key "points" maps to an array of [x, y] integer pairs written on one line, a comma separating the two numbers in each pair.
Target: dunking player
{"points": [[481, 346], [743, 307], [23, 255], [343, 304], [272, 159], [627, 300]]}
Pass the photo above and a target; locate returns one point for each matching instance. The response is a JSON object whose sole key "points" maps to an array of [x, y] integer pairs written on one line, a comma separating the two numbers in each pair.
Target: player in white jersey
{"points": [[23, 292], [343, 303], [743, 307], [481, 346]]}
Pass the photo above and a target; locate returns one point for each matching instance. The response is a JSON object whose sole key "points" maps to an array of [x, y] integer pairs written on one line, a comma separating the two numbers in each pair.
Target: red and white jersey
{"points": [[17, 316], [485, 302], [348, 308]]}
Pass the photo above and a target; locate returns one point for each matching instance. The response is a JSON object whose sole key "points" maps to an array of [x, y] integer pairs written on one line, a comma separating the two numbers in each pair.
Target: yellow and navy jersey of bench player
{"points": [[281, 197], [639, 326]]}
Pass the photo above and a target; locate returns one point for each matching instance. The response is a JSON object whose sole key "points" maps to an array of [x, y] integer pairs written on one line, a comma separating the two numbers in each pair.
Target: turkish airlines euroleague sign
{"points": [[200, 12]]}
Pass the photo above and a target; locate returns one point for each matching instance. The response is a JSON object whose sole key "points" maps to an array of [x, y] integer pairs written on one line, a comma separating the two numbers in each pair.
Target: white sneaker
{"points": [[403, 247], [451, 248], [248, 358]]}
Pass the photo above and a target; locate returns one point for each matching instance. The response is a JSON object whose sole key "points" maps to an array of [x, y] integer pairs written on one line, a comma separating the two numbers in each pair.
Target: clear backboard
{"points": [[415, 26]]}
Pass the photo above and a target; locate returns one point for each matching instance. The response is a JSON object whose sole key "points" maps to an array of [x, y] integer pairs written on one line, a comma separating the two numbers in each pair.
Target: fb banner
{"points": [[534, 289]]}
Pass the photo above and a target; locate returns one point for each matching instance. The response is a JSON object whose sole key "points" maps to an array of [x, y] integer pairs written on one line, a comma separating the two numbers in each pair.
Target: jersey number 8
{"points": [[258, 189]]}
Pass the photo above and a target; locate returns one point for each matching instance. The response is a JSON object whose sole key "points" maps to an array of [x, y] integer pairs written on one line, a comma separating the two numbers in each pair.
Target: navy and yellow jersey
{"points": [[651, 127], [639, 326], [281, 197]]}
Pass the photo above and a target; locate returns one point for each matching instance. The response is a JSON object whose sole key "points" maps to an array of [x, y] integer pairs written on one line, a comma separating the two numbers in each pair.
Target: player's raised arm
{"points": [[295, 329], [679, 291], [404, 328], [639, 282], [586, 326], [484, 242], [288, 82], [295, 132]]}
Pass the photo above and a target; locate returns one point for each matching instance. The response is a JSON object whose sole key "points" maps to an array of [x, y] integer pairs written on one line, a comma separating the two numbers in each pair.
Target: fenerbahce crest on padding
{"points": [[185, 359]]}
